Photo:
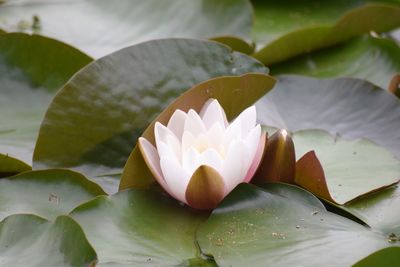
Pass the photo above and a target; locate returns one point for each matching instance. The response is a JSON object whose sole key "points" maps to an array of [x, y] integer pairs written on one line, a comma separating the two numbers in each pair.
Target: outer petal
{"points": [[248, 119], [175, 176], [257, 158], [206, 189], [161, 133], [232, 169], [251, 144], [212, 113], [152, 160], [177, 122]]}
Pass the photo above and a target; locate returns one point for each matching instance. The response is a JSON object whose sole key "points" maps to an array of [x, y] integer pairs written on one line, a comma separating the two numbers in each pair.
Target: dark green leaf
{"points": [[253, 227], [31, 70], [386, 257], [106, 106], [47, 193], [140, 228], [374, 59], [290, 28], [29, 240]]}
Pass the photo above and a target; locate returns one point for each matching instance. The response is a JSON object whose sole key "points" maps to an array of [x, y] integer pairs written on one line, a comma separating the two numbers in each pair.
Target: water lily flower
{"points": [[200, 158]]}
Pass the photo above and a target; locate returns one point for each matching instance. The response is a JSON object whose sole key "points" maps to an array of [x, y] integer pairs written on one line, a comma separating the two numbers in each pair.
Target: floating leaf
{"points": [[347, 107], [31, 69], [380, 210], [341, 170], [233, 93], [386, 257], [102, 110], [47, 193], [140, 227], [29, 240], [374, 59], [100, 27], [285, 30], [258, 228]]}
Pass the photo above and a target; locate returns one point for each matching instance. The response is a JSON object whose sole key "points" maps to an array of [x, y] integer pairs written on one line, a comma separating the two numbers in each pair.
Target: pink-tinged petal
{"points": [[213, 114], [232, 169], [150, 156], [248, 119], [257, 159], [175, 176], [251, 144], [161, 133], [206, 189], [177, 122], [194, 123]]}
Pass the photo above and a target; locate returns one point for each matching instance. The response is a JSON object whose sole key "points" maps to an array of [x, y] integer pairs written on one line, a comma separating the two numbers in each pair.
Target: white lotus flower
{"points": [[199, 159]]}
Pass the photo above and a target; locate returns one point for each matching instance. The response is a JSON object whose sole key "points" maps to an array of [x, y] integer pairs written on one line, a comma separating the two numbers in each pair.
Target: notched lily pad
{"points": [[29, 240], [341, 170], [379, 17], [258, 227], [140, 228], [105, 107], [47, 193]]}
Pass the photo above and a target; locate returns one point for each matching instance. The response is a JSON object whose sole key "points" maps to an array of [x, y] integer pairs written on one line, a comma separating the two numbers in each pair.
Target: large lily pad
{"points": [[233, 93], [386, 257], [380, 210], [346, 169], [29, 240], [347, 107], [140, 228], [286, 29], [47, 193], [102, 110], [31, 69], [259, 228], [100, 27], [374, 59]]}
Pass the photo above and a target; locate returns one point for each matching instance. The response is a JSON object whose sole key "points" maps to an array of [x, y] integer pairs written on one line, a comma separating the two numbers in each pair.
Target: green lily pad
{"points": [[47, 193], [374, 59], [386, 257], [31, 70], [29, 240], [140, 228], [347, 107], [380, 210], [350, 168], [287, 29], [255, 227], [100, 27], [102, 110]]}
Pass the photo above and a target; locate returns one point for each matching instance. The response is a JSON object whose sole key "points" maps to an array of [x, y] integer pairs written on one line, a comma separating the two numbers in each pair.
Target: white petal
{"points": [[161, 133], [233, 132], [177, 122], [232, 169], [194, 124], [216, 137], [213, 113], [251, 144], [211, 158], [175, 176], [188, 140], [248, 119], [152, 159], [190, 160]]}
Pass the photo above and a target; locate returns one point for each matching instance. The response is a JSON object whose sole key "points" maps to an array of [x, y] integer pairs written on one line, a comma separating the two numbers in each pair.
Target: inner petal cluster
{"points": [[191, 140]]}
